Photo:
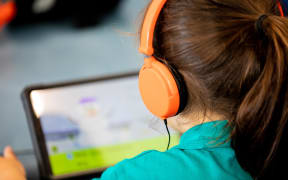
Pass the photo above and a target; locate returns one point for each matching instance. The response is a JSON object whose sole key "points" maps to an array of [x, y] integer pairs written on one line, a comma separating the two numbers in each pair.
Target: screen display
{"points": [[95, 125]]}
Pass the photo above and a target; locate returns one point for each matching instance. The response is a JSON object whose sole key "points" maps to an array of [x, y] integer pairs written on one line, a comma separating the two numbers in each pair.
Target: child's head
{"points": [[233, 57]]}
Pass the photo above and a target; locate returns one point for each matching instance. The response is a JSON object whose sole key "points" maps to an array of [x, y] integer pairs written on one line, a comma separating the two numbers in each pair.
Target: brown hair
{"points": [[231, 68]]}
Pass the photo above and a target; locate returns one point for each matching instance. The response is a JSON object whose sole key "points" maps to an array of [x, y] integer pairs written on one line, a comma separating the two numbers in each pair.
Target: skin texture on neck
{"points": [[183, 123]]}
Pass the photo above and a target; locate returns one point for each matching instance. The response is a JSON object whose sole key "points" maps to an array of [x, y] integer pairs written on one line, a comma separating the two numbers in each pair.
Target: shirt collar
{"points": [[213, 134]]}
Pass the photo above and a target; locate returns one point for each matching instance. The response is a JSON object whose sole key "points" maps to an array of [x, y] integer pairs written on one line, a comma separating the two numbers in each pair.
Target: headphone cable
{"points": [[169, 137]]}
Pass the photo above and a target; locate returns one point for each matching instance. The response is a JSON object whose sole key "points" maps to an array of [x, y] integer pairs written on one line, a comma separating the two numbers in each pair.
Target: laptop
{"points": [[80, 128]]}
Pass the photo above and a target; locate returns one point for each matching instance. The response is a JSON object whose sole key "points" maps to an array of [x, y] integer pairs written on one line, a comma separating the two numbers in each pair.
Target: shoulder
{"points": [[174, 164], [134, 168]]}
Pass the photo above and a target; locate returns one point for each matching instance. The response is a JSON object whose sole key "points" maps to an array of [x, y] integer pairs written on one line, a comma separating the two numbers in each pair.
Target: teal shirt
{"points": [[203, 153]]}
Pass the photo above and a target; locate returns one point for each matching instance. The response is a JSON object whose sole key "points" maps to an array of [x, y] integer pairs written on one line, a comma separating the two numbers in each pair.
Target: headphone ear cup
{"points": [[159, 89], [181, 88]]}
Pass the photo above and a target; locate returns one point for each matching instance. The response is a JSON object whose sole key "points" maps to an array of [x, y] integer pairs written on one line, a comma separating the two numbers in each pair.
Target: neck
{"points": [[182, 123]]}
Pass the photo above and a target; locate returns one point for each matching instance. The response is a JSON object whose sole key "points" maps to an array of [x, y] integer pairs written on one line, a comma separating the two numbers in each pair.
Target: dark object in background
{"points": [[82, 12], [285, 7]]}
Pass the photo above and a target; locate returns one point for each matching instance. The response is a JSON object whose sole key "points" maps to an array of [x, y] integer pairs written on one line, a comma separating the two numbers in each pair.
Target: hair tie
{"points": [[259, 25]]}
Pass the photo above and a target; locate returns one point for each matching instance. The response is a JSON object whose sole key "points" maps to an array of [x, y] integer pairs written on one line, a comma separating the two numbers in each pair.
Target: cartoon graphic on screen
{"points": [[57, 127], [90, 106]]}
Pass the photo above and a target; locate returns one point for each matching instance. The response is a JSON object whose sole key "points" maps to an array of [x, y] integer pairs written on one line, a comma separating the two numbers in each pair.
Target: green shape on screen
{"points": [[102, 157], [54, 149]]}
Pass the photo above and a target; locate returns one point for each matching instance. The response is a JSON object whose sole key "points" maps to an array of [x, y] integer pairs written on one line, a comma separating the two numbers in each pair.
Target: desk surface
{"points": [[58, 52]]}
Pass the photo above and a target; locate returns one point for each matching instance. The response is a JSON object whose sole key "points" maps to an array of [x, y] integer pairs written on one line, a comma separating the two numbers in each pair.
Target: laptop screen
{"points": [[94, 125]]}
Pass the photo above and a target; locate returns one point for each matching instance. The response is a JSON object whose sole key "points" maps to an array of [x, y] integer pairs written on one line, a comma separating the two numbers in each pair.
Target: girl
{"points": [[230, 56]]}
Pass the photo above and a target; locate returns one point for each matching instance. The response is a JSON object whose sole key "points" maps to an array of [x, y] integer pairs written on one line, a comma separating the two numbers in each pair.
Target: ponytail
{"points": [[260, 131]]}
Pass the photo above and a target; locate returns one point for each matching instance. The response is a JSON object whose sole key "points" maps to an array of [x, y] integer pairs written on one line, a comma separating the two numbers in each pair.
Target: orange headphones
{"points": [[162, 88]]}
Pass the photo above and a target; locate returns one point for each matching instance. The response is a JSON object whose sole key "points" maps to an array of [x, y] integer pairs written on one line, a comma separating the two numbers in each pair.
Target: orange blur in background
{"points": [[7, 12]]}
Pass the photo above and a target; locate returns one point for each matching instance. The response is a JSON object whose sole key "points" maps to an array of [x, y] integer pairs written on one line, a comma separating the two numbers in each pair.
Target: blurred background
{"points": [[47, 41]]}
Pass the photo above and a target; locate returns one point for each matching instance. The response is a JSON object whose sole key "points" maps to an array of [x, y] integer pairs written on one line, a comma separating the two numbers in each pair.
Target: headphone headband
{"points": [[149, 23], [280, 9]]}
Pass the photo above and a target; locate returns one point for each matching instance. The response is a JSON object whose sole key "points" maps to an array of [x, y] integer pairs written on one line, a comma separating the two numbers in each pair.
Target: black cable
{"points": [[169, 137]]}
